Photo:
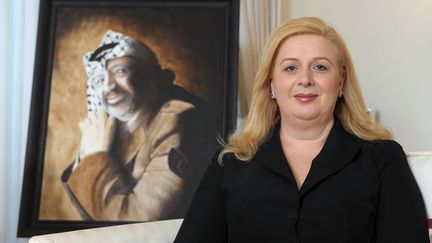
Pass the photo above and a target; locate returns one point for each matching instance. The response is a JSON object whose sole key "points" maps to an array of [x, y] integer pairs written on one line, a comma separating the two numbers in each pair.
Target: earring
{"points": [[340, 94], [273, 94]]}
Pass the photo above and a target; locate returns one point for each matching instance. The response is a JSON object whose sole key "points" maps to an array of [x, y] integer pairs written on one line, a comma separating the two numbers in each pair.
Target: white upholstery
{"points": [[165, 231], [152, 232], [421, 166]]}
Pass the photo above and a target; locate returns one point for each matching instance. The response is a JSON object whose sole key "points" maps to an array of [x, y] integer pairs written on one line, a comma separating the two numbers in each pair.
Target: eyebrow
{"points": [[117, 65], [296, 59]]}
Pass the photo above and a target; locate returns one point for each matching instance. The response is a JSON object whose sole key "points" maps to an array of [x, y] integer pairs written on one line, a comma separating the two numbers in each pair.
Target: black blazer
{"points": [[356, 192]]}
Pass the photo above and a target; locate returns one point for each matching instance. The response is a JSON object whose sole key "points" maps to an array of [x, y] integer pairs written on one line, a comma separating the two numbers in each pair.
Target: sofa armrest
{"points": [[151, 232], [421, 166]]}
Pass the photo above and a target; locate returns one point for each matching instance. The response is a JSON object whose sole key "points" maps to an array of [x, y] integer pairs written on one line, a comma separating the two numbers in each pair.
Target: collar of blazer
{"points": [[339, 150]]}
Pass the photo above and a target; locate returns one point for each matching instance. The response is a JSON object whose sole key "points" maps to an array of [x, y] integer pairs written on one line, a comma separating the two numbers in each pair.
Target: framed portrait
{"points": [[128, 101]]}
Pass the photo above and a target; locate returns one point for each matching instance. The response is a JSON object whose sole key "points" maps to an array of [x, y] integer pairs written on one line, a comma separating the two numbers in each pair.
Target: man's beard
{"points": [[120, 104]]}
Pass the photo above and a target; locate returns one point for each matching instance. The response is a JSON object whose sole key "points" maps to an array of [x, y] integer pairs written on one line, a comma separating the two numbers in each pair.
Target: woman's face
{"points": [[306, 78]]}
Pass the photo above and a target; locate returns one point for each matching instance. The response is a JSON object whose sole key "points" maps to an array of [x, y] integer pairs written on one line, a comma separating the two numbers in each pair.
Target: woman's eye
{"points": [[321, 68], [290, 69]]}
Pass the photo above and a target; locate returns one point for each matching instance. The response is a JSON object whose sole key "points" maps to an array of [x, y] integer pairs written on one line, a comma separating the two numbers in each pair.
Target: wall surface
{"points": [[391, 45]]}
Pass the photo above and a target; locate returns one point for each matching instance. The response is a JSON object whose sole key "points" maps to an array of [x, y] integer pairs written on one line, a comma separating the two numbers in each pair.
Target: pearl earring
{"points": [[340, 94], [273, 94]]}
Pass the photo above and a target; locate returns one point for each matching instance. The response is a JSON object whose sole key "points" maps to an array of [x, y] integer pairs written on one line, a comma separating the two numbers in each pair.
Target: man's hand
{"points": [[97, 132]]}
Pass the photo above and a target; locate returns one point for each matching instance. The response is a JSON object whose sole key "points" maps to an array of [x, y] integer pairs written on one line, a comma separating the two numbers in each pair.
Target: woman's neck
{"points": [[305, 132]]}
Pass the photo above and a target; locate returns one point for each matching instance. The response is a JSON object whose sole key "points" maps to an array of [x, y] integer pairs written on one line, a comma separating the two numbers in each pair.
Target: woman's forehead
{"points": [[307, 46]]}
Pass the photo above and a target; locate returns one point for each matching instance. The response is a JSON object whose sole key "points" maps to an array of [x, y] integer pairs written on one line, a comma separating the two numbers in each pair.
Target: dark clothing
{"points": [[356, 191]]}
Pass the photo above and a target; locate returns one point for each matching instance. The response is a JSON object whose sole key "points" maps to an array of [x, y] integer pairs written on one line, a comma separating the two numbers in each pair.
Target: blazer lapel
{"points": [[338, 151], [271, 156]]}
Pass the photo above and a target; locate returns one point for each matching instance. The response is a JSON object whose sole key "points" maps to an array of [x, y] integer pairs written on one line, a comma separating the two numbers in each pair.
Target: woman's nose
{"points": [[306, 78]]}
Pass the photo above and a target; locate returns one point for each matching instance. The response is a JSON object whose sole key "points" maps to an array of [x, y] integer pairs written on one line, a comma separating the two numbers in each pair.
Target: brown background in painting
{"points": [[189, 41]]}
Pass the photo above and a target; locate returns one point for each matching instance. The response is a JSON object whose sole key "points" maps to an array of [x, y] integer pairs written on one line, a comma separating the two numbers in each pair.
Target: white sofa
{"points": [[153, 232], [165, 231], [421, 166]]}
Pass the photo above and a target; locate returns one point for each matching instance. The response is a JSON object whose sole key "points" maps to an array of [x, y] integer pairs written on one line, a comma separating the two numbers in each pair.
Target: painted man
{"points": [[144, 142]]}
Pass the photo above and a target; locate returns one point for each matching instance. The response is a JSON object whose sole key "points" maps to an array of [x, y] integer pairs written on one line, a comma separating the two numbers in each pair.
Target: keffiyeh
{"points": [[113, 45]]}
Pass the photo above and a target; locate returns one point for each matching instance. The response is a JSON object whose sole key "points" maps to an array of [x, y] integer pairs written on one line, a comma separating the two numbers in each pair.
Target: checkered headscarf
{"points": [[113, 45]]}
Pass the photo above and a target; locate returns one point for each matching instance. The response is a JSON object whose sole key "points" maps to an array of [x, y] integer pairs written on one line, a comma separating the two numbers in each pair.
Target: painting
{"points": [[128, 100]]}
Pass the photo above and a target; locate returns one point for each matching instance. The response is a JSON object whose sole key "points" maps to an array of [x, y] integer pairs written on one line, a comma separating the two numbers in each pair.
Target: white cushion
{"points": [[421, 166], [152, 232]]}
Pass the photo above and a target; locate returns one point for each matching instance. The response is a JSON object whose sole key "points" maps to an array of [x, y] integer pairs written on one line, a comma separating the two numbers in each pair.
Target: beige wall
{"points": [[391, 45]]}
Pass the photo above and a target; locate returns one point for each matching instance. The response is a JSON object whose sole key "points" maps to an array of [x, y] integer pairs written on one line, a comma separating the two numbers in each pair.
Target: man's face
{"points": [[114, 88]]}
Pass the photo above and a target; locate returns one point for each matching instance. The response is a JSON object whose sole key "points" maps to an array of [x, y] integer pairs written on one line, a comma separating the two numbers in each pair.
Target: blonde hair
{"points": [[351, 110]]}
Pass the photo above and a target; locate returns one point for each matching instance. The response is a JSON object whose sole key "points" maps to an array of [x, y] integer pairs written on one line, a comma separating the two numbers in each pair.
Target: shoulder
{"points": [[212, 178], [386, 145], [387, 149], [228, 158], [170, 114], [184, 112], [176, 106], [389, 157], [228, 165]]}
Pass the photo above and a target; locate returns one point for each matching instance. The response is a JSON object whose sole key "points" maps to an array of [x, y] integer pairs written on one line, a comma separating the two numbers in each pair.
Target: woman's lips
{"points": [[305, 97]]}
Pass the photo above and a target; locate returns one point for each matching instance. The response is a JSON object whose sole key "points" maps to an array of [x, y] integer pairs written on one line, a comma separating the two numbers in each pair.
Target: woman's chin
{"points": [[307, 116]]}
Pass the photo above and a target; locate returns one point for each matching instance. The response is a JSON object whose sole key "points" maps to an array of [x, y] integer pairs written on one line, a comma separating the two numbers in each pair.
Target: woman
{"points": [[308, 164]]}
